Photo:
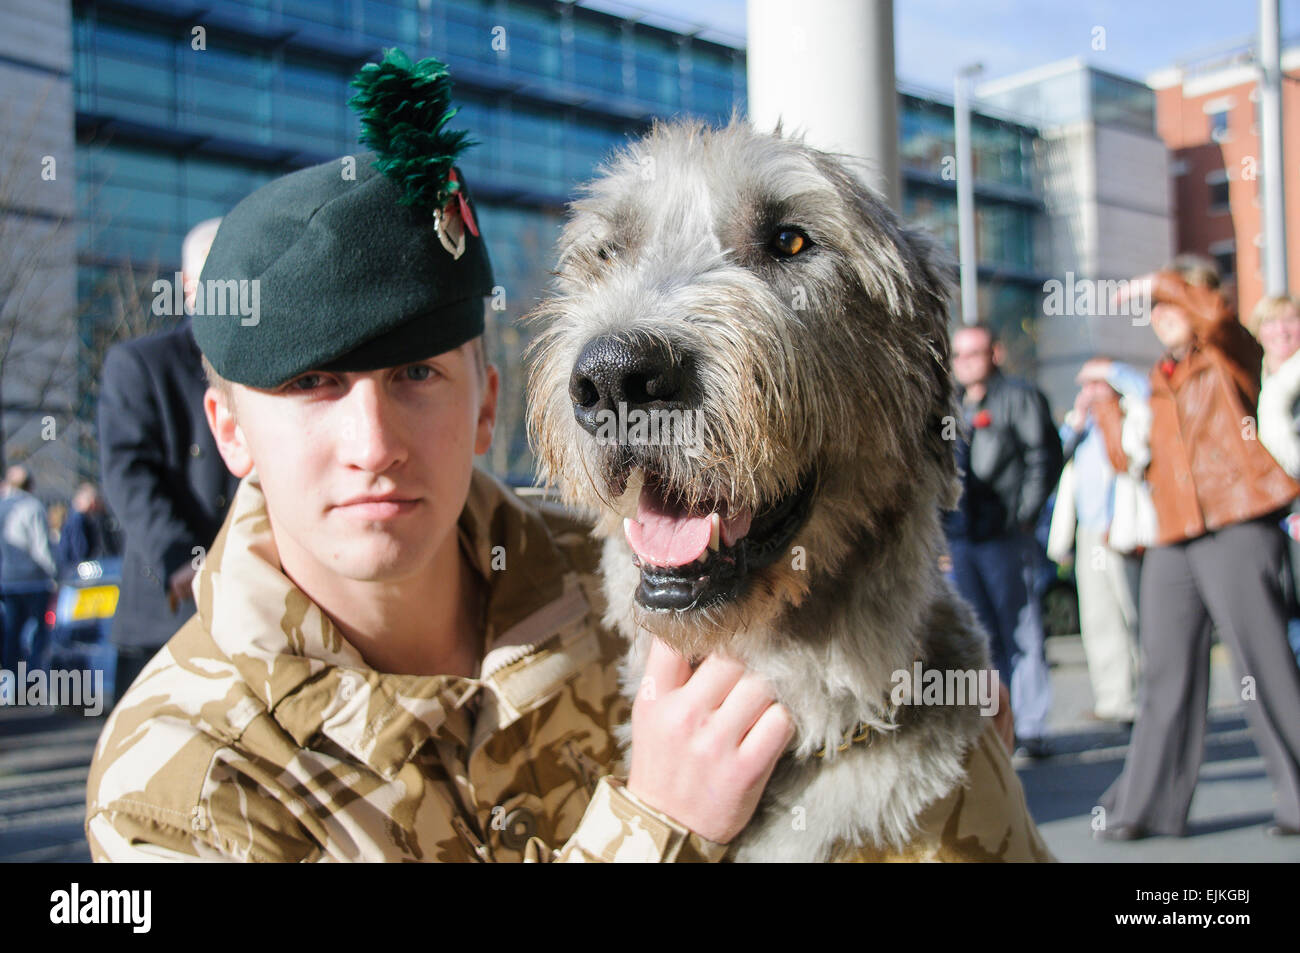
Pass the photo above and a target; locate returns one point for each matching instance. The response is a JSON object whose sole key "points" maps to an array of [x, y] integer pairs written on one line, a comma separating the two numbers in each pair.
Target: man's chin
{"points": [[379, 556], [381, 569]]}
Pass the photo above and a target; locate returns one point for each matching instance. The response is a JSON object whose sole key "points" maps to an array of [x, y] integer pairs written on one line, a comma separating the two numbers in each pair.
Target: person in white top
{"points": [[1275, 322]]}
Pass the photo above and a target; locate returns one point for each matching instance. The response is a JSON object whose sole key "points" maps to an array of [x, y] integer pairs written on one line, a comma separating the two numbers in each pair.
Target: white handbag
{"points": [[1133, 516]]}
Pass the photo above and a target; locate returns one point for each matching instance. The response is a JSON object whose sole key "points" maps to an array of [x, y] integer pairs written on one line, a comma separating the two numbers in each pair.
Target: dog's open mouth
{"points": [[696, 558]]}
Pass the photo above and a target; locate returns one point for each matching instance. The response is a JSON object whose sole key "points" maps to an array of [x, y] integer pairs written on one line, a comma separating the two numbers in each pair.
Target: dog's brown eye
{"points": [[607, 253], [788, 242]]}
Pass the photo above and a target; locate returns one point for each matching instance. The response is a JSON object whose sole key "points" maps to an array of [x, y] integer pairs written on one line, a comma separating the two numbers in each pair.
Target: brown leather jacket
{"points": [[1208, 469]]}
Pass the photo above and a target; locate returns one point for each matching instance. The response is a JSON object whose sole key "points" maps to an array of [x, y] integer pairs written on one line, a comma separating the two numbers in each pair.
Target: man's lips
{"points": [[378, 507]]}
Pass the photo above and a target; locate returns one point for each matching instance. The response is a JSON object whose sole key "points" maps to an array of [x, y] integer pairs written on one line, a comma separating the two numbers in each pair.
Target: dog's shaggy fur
{"points": [[827, 370]]}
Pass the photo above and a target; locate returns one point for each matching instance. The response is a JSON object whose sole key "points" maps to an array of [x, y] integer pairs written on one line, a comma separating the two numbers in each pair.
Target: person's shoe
{"points": [[1281, 830], [1121, 833], [1036, 748]]}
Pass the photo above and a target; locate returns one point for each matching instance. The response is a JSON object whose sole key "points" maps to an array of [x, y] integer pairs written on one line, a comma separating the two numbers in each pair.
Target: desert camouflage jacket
{"points": [[984, 819], [258, 733]]}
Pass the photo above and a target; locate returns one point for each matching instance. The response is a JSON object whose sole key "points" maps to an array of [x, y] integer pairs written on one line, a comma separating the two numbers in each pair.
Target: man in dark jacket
{"points": [[86, 534], [163, 478], [1010, 458]]}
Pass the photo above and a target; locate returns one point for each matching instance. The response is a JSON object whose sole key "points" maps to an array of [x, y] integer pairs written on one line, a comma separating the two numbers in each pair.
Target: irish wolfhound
{"points": [[792, 337]]}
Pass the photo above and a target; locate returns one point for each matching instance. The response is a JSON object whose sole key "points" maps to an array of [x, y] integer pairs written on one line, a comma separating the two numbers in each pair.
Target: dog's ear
{"points": [[933, 274]]}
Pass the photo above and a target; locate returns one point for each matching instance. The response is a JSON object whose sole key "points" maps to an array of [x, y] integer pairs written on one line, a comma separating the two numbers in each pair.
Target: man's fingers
{"points": [[713, 680], [665, 671], [769, 736], [741, 709]]}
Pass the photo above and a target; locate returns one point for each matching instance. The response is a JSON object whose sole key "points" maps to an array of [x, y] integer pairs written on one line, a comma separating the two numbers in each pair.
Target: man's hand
{"points": [[178, 586], [704, 744], [1094, 369]]}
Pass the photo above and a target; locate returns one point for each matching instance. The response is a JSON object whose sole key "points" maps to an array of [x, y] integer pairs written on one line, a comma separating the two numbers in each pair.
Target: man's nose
{"points": [[369, 432]]}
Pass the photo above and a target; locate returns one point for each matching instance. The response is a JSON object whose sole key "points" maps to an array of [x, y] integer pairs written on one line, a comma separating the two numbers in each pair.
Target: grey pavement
{"points": [[44, 757], [1233, 800]]}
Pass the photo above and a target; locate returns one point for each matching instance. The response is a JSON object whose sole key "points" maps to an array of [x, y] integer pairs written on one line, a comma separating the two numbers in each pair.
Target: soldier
{"points": [[394, 657]]}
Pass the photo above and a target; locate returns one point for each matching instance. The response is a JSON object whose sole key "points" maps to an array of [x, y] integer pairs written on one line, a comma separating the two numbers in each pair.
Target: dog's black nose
{"points": [[640, 374]]}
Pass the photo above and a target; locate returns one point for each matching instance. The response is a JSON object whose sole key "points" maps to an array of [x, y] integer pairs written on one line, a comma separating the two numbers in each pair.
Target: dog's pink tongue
{"points": [[664, 536]]}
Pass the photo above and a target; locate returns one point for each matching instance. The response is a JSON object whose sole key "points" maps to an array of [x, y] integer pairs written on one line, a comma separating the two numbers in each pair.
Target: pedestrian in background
{"points": [[163, 478], [1082, 521], [1275, 322], [27, 570], [86, 533], [1218, 496], [1010, 463]]}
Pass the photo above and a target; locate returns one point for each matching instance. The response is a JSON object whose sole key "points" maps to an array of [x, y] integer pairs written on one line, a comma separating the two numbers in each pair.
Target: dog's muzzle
{"points": [[691, 559], [614, 375]]}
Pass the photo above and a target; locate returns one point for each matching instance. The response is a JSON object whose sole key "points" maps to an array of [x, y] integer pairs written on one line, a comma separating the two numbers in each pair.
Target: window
{"points": [[1216, 113], [1217, 182], [1219, 125], [1224, 254]]}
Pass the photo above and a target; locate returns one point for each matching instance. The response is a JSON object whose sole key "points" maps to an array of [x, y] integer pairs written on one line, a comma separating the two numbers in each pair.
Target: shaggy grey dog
{"points": [[751, 285]]}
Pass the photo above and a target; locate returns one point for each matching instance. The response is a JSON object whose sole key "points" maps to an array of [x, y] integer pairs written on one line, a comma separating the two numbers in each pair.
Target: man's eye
{"points": [[306, 382], [420, 372]]}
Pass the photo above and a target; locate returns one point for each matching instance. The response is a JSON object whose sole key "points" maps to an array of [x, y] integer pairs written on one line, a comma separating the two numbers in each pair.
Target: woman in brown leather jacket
{"points": [[1218, 496]]}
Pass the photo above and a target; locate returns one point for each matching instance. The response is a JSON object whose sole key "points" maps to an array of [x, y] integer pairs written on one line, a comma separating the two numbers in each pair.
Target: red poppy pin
{"points": [[982, 420], [1167, 367]]}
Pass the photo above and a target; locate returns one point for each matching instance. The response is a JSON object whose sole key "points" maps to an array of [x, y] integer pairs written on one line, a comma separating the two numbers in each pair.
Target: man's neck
{"points": [[976, 392], [428, 624]]}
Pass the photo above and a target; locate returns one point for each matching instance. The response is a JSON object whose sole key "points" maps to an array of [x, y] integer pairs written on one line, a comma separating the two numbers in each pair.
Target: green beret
{"points": [[343, 267]]}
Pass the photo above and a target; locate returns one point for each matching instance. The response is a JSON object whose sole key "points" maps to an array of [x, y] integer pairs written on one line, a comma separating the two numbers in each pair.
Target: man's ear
{"points": [[225, 431], [487, 411]]}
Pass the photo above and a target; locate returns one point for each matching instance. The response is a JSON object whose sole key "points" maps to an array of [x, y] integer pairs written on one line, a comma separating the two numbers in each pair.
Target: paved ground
{"points": [[44, 758], [1233, 800]]}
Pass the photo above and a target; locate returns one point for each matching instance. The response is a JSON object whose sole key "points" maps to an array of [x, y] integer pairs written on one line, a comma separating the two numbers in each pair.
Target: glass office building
{"points": [[180, 114], [1009, 210], [179, 117]]}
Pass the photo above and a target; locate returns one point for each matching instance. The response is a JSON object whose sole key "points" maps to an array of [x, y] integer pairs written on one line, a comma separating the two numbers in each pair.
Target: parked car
{"points": [[80, 616]]}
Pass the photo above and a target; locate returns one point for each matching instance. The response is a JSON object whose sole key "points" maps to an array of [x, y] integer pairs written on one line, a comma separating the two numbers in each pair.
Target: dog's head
{"points": [[743, 369]]}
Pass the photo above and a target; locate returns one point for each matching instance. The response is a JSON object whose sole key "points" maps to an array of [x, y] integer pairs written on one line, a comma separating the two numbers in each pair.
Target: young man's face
{"points": [[972, 356], [365, 473]]}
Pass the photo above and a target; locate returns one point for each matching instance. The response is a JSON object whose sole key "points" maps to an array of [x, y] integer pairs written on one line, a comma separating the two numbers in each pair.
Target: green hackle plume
{"points": [[404, 109]]}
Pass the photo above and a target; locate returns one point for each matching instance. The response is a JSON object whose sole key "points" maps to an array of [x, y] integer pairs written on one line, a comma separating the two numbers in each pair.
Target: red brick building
{"points": [[1207, 114]]}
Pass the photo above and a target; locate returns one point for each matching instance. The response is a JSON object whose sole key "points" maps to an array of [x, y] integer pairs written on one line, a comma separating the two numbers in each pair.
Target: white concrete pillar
{"points": [[1272, 181], [826, 68]]}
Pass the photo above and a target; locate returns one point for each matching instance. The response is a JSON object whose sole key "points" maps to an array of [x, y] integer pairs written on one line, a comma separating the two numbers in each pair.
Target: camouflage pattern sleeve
{"points": [[619, 827], [127, 840], [985, 819]]}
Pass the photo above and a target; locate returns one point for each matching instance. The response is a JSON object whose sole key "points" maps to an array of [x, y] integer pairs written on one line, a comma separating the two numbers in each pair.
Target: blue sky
{"points": [[934, 37]]}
